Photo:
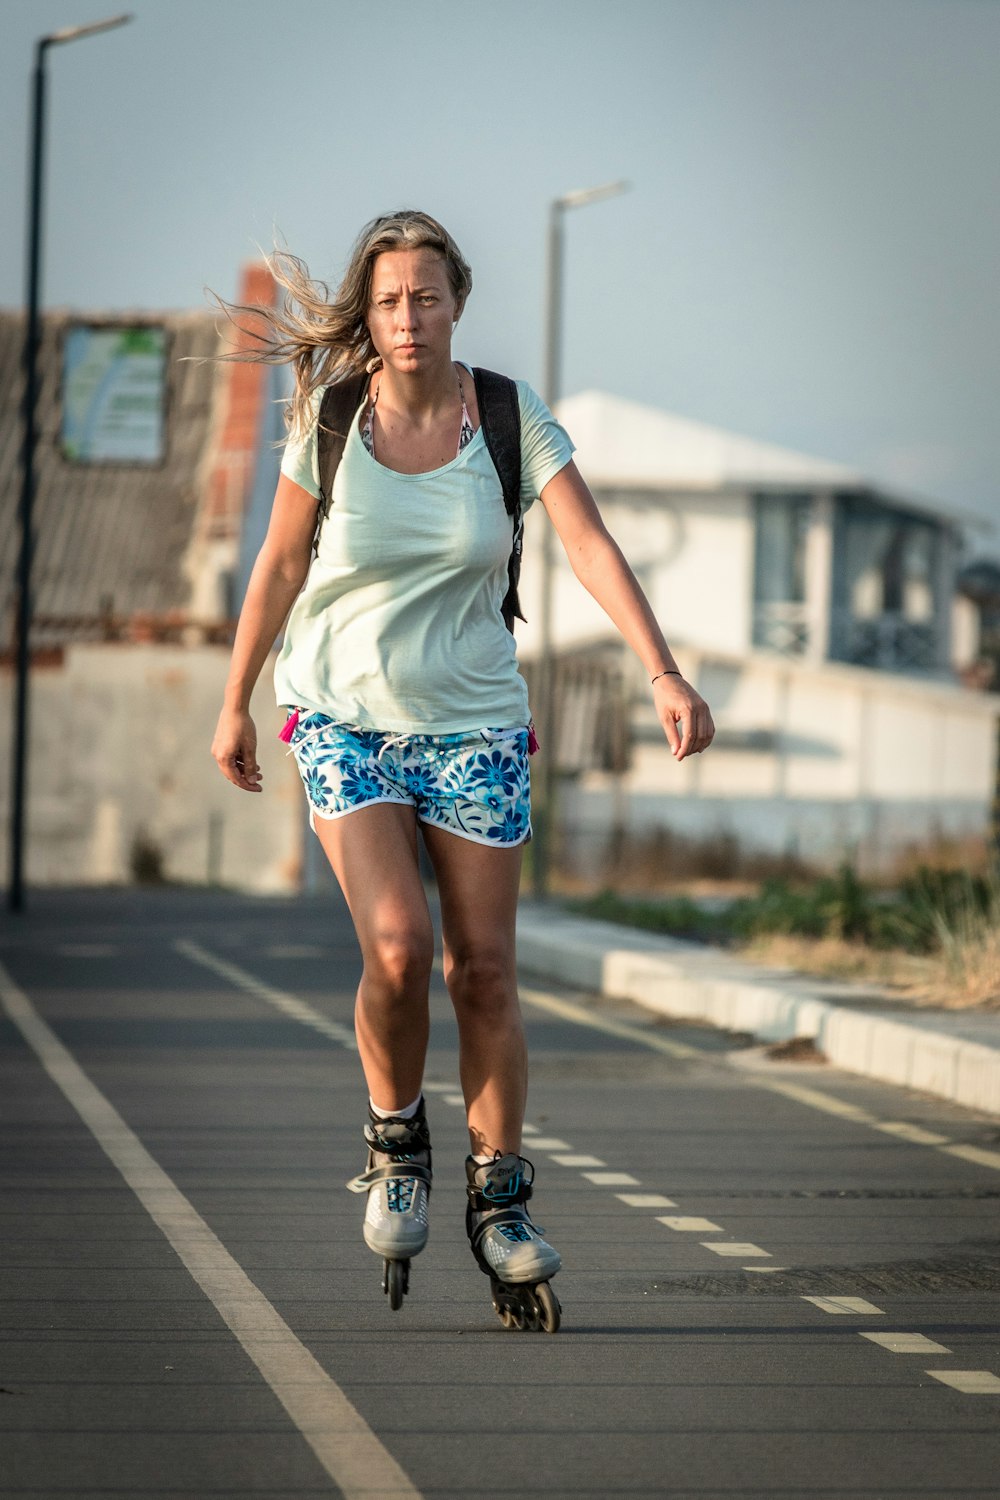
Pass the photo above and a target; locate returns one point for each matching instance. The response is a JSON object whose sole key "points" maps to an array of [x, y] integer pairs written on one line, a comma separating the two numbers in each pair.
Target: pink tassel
{"points": [[532, 740], [289, 728]]}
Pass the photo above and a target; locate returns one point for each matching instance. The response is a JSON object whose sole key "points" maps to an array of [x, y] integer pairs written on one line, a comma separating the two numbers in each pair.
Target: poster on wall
{"points": [[114, 385]]}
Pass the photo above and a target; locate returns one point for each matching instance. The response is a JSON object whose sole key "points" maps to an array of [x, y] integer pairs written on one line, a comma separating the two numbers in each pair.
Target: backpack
{"points": [[500, 419]]}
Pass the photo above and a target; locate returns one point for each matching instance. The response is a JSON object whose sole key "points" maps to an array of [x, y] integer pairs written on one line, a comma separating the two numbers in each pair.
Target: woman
{"points": [[405, 706]]}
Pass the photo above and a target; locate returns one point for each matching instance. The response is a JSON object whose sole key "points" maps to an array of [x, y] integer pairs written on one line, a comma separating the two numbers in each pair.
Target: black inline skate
{"points": [[507, 1246], [398, 1183]]}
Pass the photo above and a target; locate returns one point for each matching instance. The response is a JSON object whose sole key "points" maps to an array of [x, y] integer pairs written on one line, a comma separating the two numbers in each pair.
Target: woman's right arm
{"points": [[275, 583]]}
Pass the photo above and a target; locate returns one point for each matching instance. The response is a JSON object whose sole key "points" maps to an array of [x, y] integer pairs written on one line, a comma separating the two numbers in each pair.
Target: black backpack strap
{"points": [[336, 413], [500, 419]]}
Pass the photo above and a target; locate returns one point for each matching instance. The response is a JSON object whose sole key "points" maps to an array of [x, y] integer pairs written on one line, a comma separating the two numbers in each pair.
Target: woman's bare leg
{"points": [[478, 886], [373, 853]]}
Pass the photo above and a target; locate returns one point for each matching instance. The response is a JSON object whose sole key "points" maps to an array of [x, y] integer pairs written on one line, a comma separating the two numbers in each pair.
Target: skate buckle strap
{"points": [[499, 1220], [399, 1169]]}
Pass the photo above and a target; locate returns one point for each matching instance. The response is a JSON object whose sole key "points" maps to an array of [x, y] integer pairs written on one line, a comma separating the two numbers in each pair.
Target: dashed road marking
{"points": [[645, 1200], [764, 1270], [335, 1430], [733, 1247], [969, 1382], [579, 1161], [443, 1088], [855, 1305], [906, 1343], [289, 1005], [549, 1143], [457, 1099], [611, 1179], [688, 1223]]}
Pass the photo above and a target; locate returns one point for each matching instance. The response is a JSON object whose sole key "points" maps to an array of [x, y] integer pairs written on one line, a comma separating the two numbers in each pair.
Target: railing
{"points": [[781, 626], [889, 641]]}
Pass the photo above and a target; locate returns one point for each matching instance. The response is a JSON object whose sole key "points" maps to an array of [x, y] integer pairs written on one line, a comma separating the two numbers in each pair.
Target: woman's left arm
{"points": [[597, 561]]}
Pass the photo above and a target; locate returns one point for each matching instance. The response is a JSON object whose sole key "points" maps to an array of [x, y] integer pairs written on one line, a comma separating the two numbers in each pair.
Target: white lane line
{"points": [[645, 1200], [969, 1382], [687, 1223], [827, 1103], [906, 1343], [977, 1154], [853, 1305], [289, 1005], [440, 1088], [334, 1429], [549, 1143], [579, 1161], [732, 1247], [611, 1179], [457, 1099], [764, 1270], [915, 1133], [584, 1017], [527, 1129]]}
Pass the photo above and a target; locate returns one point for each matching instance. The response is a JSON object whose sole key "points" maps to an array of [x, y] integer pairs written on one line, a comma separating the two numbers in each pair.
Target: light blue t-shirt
{"points": [[398, 626]]}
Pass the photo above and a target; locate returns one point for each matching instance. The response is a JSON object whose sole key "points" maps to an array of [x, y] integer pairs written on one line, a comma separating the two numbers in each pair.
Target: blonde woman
{"points": [[406, 707]]}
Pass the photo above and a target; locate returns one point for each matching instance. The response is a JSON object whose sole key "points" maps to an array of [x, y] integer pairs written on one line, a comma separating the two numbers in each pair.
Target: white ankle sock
{"points": [[481, 1161], [395, 1114]]}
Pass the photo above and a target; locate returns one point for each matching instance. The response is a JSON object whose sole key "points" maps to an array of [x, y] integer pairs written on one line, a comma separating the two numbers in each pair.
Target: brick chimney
{"points": [[230, 460]]}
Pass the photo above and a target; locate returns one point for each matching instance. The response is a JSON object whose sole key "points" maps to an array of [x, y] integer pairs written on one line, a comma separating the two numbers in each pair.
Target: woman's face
{"points": [[412, 310]]}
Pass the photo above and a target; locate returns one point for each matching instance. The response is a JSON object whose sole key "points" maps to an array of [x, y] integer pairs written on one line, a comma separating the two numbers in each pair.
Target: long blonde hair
{"points": [[324, 338]]}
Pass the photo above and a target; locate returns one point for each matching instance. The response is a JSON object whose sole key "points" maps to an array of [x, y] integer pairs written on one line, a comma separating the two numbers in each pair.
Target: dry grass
{"points": [[964, 977]]}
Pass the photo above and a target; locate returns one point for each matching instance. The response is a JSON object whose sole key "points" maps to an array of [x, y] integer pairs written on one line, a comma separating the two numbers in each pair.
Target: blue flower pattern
{"points": [[475, 783]]}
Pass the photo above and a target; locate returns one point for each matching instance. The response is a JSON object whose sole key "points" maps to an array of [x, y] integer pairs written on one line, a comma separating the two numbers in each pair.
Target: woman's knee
{"points": [[482, 978], [399, 958]]}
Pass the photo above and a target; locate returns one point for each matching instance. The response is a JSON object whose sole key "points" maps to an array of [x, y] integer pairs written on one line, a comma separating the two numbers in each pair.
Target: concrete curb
{"points": [[685, 980]]}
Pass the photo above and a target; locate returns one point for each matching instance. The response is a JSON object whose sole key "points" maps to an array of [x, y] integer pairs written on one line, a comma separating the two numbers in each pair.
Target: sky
{"points": [[807, 253]]}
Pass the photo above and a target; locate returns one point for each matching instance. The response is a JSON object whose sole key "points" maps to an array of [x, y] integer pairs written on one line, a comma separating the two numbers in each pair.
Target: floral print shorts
{"points": [[475, 783]]}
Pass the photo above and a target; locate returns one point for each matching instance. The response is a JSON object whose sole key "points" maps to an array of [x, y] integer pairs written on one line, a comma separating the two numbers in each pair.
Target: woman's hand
{"points": [[235, 749], [677, 704]]}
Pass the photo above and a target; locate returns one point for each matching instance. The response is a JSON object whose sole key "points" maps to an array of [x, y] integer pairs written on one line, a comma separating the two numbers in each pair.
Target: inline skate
{"points": [[397, 1180], [507, 1246]]}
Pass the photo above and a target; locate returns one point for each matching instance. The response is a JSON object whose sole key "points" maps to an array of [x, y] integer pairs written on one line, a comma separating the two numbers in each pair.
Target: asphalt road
{"points": [[795, 1296]]}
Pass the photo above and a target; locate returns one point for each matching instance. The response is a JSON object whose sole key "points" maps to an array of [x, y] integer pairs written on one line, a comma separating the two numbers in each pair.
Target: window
{"points": [[885, 601], [781, 528]]}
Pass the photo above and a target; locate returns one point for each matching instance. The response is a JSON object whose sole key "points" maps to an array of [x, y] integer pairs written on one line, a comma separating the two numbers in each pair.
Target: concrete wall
{"points": [[821, 762], [693, 555], [119, 758]]}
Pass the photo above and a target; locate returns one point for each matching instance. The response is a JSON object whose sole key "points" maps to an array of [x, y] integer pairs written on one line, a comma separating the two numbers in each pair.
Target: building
{"points": [[137, 572], [816, 612]]}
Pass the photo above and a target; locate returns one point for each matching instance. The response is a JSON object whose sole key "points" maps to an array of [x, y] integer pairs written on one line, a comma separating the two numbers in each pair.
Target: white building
{"points": [[815, 611]]}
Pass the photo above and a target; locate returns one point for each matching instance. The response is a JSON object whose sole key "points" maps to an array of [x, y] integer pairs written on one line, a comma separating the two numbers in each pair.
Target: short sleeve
{"points": [[300, 461], [545, 445]]}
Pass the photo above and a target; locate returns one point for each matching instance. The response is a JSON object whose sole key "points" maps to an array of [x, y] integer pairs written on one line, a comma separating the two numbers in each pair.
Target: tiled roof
{"points": [[110, 539]]}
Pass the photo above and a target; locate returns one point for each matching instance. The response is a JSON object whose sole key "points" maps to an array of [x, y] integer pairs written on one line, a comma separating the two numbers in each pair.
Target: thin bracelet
{"points": [[670, 672]]}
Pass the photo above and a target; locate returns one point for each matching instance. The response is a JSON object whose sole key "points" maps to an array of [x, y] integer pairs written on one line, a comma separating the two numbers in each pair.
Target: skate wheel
{"points": [[518, 1318], [548, 1308], [395, 1280], [507, 1316], [532, 1312]]}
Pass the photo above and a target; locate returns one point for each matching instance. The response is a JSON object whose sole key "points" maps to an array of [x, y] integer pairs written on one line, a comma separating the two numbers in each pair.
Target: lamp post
{"points": [[22, 616], [543, 787]]}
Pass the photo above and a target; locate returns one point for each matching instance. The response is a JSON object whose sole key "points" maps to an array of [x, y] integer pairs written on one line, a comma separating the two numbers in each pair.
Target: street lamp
{"points": [[542, 788], [22, 617]]}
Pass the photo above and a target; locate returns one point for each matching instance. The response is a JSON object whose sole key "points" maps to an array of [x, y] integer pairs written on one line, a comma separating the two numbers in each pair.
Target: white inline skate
{"points": [[397, 1180], [507, 1246]]}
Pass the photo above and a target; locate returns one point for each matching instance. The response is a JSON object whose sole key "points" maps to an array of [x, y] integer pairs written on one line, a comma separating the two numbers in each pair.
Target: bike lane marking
{"points": [[344, 1444]]}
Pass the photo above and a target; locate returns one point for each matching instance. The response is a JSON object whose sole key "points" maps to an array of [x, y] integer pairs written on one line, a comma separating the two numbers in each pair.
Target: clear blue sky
{"points": [[808, 254]]}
